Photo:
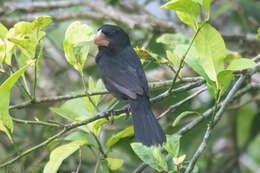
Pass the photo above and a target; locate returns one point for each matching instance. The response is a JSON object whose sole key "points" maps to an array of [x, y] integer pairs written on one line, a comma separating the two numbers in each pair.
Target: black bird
{"points": [[123, 76]]}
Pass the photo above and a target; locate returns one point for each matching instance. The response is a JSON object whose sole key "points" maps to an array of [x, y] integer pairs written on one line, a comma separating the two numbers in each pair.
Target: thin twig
{"points": [[183, 57], [36, 123], [152, 85], [218, 116], [140, 168], [80, 160], [172, 107]]}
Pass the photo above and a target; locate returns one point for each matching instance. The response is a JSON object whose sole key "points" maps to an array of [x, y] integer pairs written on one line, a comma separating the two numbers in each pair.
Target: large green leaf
{"points": [[146, 155], [26, 36], [122, 134], [187, 10], [76, 44], [173, 145], [206, 6], [6, 123], [223, 80], [211, 48], [60, 153], [241, 64], [147, 55], [186, 6], [3, 32], [114, 164]]}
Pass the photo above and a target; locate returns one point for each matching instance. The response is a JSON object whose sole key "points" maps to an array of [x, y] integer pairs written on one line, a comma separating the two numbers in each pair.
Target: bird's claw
{"points": [[128, 110], [110, 113]]}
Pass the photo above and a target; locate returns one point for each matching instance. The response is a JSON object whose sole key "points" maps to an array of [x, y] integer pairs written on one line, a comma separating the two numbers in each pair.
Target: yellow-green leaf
{"points": [[6, 123], [122, 134], [212, 51], [223, 80], [60, 153], [241, 64], [173, 144], [3, 31], [114, 164], [179, 160], [190, 8], [206, 6], [76, 44]]}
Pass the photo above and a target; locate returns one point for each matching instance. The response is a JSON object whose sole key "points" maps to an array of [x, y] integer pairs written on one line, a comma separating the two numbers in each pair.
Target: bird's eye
{"points": [[108, 33]]}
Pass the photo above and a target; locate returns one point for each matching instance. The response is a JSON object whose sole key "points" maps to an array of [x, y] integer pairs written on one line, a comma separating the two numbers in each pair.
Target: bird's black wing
{"points": [[124, 74]]}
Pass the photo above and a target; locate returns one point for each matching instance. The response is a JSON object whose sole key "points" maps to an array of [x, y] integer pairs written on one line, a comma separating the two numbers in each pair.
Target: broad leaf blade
{"points": [[211, 48], [60, 153], [241, 64], [114, 164], [6, 123], [145, 154], [173, 144], [223, 80], [122, 134]]}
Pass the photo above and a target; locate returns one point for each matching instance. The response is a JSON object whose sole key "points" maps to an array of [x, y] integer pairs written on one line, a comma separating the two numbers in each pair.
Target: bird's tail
{"points": [[147, 129]]}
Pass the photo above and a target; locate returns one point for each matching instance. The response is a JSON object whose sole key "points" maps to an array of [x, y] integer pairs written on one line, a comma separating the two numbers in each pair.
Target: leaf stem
{"points": [[97, 165], [20, 85], [183, 57], [34, 81], [86, 91]]}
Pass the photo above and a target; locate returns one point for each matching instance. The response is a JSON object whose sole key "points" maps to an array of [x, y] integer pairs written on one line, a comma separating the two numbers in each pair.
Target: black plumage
{"points": [[123, 76]]}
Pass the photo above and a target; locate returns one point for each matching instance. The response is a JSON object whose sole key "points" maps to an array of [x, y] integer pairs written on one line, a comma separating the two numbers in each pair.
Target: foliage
{"points": [[205, 53]]}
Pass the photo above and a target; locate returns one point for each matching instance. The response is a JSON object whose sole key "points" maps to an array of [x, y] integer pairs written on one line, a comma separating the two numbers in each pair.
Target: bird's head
{"points": [[111, 37]]}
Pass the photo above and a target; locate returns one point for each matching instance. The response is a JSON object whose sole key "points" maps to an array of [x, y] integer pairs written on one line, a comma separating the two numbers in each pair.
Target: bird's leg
{"points": [[128, 110], [111, 111]]}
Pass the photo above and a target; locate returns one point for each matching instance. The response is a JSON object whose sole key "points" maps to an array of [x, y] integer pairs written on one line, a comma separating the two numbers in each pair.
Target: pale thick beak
{"points": [[101, 39]]}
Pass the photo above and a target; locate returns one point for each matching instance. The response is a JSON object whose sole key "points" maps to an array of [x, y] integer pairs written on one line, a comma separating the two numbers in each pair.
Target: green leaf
{"points": [[206, 6], [212, 88], [76, 44], [122, 134], [173, 39], [258, 34], [60, 153], [72, 109], [160, 158], [145, 154], [104, 167], [223, 80], [41, 22], [186, 18], [6, 123], [173, 58], [78, 33], [77, 135], [147, 55], [114, 164], [173, 144], [241, 64], [211, 48], [38, 59], [188, 11], [186, 6], [3, 31], [26, 36], [192, 59], [183, 115], [167, 39]]}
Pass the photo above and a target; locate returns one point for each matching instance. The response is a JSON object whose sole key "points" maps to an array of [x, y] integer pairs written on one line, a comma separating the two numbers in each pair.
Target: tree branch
{"points": [[215, 121]]}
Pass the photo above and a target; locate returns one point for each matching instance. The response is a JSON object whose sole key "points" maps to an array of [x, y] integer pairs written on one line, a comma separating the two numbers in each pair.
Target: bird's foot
{"points": [[111, 112], [127, 112]]}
